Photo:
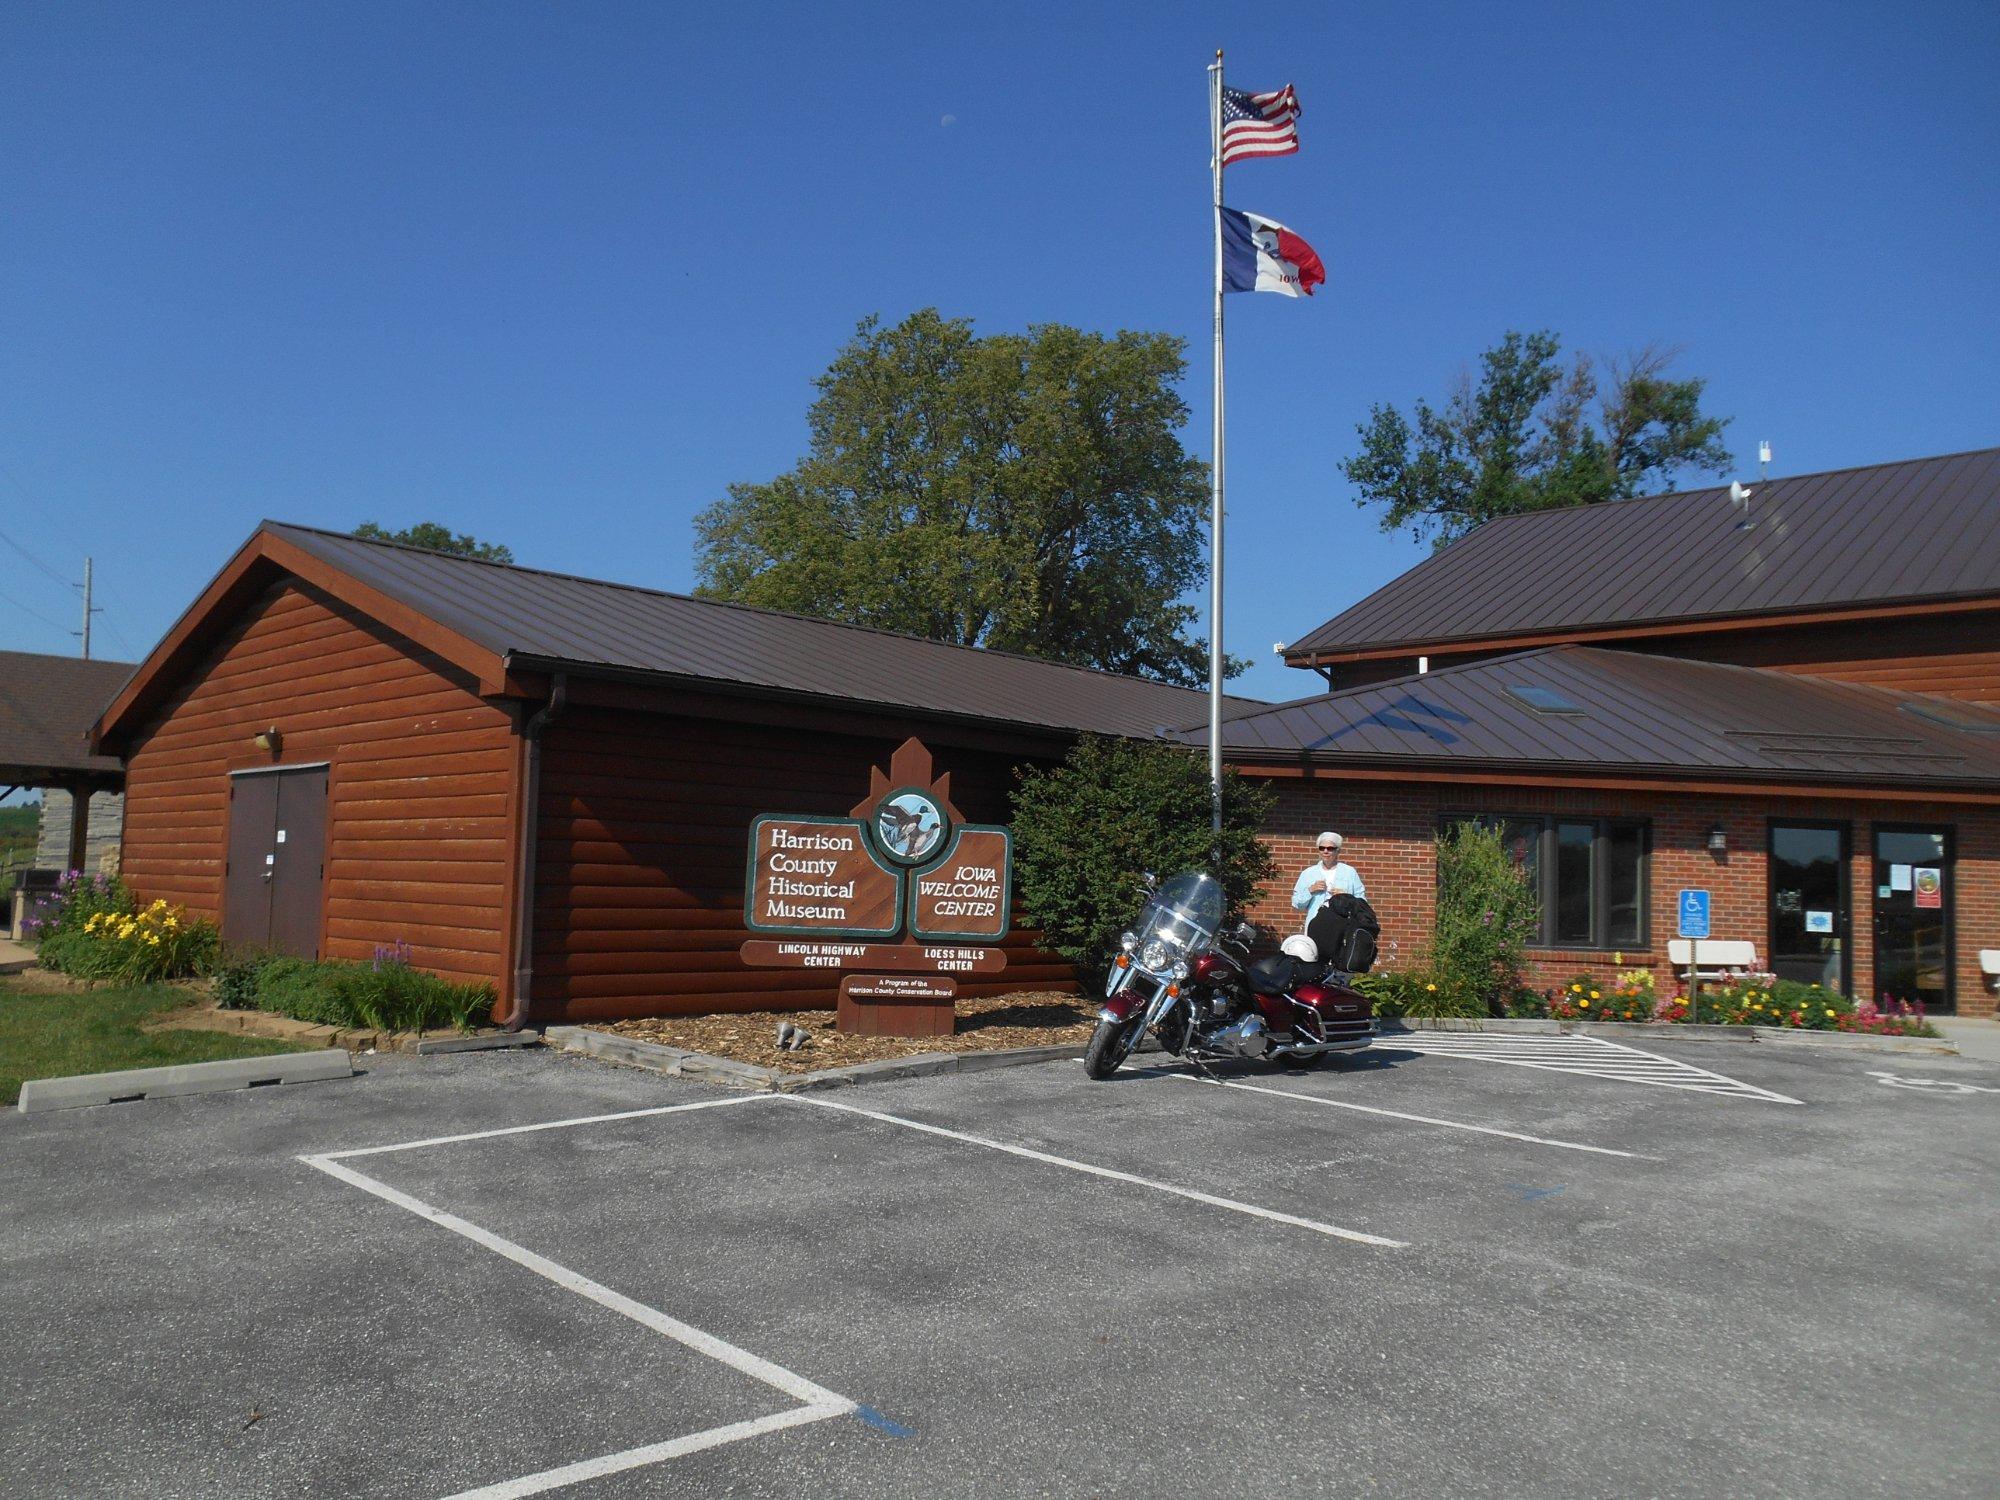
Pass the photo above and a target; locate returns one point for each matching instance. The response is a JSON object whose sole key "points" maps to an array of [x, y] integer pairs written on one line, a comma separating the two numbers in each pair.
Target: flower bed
{"points": [[1744, 1000], [386, 995], [1747, 1000], [96, 930]]}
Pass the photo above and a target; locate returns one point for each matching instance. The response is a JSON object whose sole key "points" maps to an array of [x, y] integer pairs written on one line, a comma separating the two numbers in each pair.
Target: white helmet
{"points": [[1301, 947]]}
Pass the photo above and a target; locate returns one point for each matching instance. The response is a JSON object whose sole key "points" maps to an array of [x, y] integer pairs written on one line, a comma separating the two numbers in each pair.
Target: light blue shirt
{"points": [[1343, 878]]}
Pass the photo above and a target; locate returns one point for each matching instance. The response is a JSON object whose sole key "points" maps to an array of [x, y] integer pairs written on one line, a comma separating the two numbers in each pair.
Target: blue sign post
{"points": [[1694, 927]]}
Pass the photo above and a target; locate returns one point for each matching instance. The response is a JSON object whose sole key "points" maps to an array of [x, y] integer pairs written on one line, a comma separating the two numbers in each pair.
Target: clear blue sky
{"points": [[557, 273]]}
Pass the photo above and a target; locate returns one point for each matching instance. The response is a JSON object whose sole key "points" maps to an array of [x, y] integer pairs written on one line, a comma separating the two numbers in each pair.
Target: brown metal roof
{"points": [[47, 705], [534, 619], [1651, 716], [1922, 530]]}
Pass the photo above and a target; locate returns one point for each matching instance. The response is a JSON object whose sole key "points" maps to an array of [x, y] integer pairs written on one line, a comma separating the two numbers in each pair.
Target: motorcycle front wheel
{"points": [[1109, 1046]]}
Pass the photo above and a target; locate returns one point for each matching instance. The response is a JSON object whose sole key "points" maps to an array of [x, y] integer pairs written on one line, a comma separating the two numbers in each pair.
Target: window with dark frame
{"points": [[1588, 874]]}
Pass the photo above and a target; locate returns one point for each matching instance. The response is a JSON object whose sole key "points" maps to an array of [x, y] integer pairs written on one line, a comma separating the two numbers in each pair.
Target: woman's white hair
{"points": [[1330, 836]]}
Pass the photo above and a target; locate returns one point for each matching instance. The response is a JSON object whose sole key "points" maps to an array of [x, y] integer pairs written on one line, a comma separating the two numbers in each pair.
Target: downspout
{"points": [[531, 811]]}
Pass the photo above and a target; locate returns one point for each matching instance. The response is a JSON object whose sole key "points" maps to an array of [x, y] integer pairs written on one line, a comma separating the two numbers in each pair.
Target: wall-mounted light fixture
{"points": [[1718, 840], [268, 740]]}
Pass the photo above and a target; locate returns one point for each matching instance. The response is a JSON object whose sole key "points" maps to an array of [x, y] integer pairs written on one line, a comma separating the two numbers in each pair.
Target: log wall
{"points": [[421, 788], [644, 831]]}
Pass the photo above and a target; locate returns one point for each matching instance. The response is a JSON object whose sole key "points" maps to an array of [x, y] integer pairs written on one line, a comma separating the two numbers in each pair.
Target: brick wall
{"points": [[1388, 827]]}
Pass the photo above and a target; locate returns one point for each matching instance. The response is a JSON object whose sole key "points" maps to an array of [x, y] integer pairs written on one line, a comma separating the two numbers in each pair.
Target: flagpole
{"points": [[1215, 475]]}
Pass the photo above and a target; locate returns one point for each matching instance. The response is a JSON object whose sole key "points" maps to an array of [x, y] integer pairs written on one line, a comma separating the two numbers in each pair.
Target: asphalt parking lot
{"points": [[1408, 1274]]}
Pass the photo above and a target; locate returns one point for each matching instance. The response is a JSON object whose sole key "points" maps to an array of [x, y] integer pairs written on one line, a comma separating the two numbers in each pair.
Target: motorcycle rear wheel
{"points": [[1109, 1046]]}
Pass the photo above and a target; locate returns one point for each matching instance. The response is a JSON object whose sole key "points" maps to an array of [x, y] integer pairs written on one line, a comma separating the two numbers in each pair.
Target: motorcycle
{"points": [[1180, 978]]}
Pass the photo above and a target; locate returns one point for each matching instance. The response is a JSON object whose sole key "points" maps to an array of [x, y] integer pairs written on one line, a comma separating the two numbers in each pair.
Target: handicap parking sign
{"points": [[1694, 914]]}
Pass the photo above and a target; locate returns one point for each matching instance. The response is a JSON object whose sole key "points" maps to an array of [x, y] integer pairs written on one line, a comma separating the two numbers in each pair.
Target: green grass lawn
{"points": [[53, 1034]]}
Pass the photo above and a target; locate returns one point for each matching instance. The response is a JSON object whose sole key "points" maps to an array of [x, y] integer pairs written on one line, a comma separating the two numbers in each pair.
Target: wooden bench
{"points": [[1721, 958]]}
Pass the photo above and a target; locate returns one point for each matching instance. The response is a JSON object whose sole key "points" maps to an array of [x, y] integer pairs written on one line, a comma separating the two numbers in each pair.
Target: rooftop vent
{"points": [[1544, 700]]}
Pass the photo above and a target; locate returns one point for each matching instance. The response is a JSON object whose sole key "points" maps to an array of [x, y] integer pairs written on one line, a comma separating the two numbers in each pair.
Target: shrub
{"points": [[1087, 830], [1486, 914], [96, 930], [1427, 993], [388, 996]]}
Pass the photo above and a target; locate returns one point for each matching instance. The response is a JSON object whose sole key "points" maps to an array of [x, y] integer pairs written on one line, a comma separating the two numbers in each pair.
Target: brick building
{"points": [[1794, 705]]}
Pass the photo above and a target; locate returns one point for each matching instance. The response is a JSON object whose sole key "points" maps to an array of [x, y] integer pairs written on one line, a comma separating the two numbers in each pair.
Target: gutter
{"points": [[531, 811]]}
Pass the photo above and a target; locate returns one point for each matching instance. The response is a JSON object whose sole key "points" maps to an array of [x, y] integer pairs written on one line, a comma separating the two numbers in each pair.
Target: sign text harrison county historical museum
{"points": [[903, 864]]}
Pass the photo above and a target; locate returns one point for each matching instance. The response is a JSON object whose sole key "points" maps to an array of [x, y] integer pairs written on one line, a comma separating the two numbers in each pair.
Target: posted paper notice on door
{"points": [[1899, 877]]}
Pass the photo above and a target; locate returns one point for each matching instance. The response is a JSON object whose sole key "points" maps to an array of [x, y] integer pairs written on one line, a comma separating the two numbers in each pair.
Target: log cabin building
{"points": [[541, 782], [546, 783]]}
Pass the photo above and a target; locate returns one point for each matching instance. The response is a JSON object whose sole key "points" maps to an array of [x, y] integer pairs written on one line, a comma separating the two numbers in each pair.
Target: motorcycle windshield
{"points": [[1180, 920]]}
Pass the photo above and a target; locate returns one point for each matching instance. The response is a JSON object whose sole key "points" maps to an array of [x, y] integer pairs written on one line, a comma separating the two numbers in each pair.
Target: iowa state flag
{"points": [[1261, 255]]}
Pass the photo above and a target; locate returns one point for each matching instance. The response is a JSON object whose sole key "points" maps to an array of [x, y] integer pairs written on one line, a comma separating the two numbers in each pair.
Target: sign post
{"points": [[1694, 907]]}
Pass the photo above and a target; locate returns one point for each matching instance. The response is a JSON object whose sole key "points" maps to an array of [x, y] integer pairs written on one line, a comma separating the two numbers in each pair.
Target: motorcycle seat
{"points": [[1280, 974]]}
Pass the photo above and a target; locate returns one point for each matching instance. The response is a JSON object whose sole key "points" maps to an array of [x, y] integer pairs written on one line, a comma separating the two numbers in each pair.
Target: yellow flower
{"points": [[1815, 984], [1595, 996], [153, 938], [1584, 1003], [1431, 988], [1756, 1007], [1831, 1013], [172, 920], [1576, 989]]}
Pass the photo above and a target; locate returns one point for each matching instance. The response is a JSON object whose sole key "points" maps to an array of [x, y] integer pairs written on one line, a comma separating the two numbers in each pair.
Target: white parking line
{"points": [[1585, 1056], [1397, 1114], [1029, 1154], [638, 1458], [817, 1402]]}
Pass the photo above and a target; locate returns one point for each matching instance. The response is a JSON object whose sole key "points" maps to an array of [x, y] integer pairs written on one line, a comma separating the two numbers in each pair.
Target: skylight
{"points": [[1962, 719], [1543, 700]]}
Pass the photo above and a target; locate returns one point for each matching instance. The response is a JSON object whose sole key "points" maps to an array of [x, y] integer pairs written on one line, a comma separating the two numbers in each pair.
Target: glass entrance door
{"points": [[1913, 916], [1809, 906]]}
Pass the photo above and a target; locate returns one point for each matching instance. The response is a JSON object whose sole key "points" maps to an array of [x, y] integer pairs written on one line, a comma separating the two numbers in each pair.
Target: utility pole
{"points": [[89, 609]]}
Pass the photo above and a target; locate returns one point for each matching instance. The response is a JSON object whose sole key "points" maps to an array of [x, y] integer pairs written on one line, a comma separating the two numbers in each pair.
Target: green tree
{"points": [[1487, 913], [1086, 831], [435, 538], [1532, 434], [1026, 492]]}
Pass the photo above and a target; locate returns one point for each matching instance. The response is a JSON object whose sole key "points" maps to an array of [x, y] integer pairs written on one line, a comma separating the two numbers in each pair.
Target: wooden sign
{"points": [[903, 860], [967, 893], [906, 989], [896, 1005], [810, 875], [908, 958]]}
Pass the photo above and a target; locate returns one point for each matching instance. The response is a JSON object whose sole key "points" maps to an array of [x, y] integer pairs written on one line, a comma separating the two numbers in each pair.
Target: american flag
{"points": [[1259, 124]]}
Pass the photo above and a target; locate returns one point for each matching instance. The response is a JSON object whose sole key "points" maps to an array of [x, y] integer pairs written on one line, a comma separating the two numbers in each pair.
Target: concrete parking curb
{"points": [[478, 1042], [85, 1089], [657, 1057], [1783, 1035]]}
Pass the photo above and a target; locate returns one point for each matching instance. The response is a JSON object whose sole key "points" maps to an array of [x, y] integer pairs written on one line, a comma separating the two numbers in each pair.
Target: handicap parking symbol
{"points": [[1694, 914]]}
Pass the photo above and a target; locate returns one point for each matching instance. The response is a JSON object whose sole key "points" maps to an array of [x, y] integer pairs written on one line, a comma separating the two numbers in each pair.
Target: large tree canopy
{"points": [[1027, 492], [1531, 434], [437, 538]]}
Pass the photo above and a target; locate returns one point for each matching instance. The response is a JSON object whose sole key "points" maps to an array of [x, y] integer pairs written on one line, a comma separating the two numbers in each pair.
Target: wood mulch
{"points": [[1036, 1018]]}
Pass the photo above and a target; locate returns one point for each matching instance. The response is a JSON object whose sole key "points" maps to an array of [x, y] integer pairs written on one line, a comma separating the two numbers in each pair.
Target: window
{"points": [[1544, 700], [1588, 874]]}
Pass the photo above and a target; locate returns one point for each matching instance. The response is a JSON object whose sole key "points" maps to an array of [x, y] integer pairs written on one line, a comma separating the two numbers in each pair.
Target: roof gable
{"points": [[1922, 531], [47, 705]]}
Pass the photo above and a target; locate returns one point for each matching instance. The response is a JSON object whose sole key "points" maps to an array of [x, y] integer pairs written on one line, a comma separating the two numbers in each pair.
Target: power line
{"points": [[4, 599], [36, 560]]}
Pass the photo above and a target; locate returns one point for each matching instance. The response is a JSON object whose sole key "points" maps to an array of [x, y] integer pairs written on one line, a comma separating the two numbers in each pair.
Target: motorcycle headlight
{"points": [[1154, 955], [1180, 971], [1128, 941]]}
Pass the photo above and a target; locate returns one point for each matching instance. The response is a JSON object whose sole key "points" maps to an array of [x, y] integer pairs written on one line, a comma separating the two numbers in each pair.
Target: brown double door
{"points": [[277, 860]]}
